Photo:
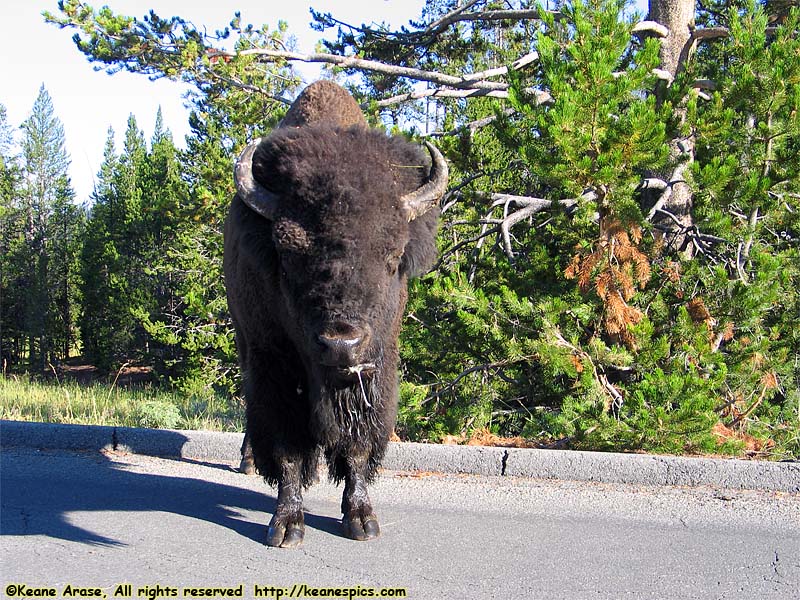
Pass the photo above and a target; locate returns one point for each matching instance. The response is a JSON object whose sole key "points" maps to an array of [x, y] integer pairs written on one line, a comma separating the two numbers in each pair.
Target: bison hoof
{"points": [[361, 527], [286, 532], [247, 466]]}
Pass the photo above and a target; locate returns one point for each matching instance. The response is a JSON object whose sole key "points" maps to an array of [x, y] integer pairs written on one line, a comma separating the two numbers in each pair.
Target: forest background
{"points": [[619, 249]]}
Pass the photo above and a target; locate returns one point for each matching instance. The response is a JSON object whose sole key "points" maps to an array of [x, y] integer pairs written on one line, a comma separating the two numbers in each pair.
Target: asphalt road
{"points": [[97, 519]]}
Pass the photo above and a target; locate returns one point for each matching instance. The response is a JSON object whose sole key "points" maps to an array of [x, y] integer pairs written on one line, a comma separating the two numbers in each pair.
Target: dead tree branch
{"points": [[466, 81], [438, 93], [455, 86], [715, 33], [476, 368], [529, 206]]}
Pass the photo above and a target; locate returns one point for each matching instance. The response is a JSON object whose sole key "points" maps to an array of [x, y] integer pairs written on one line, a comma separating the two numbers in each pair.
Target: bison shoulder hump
{"points": [[324, 103]]}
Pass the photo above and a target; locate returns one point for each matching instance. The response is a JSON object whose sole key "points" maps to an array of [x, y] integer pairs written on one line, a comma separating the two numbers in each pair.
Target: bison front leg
{"points": [[358, 520], [287, 527]]}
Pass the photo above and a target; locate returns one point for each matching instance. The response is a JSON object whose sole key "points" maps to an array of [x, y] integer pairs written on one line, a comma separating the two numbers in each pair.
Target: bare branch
{"points": [[739, 266], [662, 74], [531, 206], [483, 367], [615, 398], [704, 84], [539, 96], [709, 33], [644, 28], [715, 33], [518, 64], [442, 23], [666, 194], [653, 183], [438, 93], [463, 86], [373, 65], [506, 15], [477, 239], [672, 217], [237, 83], [467, 85]]}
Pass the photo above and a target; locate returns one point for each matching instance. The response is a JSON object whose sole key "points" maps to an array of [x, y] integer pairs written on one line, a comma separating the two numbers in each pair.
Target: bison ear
{"points": [[420, 252]]}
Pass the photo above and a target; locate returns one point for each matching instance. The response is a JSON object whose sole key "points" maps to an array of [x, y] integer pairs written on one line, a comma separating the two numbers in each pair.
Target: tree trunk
{"points": [[678, 17], [675, 217]]}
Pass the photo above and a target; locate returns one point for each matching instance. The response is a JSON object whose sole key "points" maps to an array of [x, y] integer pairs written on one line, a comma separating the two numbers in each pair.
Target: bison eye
{"points": [[290, 236], [393, 262]]}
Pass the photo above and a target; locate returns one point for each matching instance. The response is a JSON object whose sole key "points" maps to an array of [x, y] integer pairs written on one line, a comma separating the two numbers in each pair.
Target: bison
{"points": [[329, 220]]}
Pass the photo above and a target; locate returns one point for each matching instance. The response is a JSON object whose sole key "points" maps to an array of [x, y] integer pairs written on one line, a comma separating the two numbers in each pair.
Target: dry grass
{"points": [[23, 399]]}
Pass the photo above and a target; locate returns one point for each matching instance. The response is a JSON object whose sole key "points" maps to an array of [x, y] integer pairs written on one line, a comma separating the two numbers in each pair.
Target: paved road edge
{"points": [[572, 465]]}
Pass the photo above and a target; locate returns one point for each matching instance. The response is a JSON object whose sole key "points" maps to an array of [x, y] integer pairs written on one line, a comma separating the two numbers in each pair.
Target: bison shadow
{"points": [[39, 490]]}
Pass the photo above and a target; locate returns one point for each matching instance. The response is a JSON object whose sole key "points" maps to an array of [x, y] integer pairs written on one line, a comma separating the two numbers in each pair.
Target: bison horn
{"points": [[420, 201], [250, 191]]}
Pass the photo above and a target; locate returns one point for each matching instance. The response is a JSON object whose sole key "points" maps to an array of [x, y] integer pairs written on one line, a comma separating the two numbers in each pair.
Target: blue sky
{"points": [[88, 102]]}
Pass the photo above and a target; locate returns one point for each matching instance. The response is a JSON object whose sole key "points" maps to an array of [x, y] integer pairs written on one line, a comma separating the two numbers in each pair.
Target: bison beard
{"points": [[329, 221]]}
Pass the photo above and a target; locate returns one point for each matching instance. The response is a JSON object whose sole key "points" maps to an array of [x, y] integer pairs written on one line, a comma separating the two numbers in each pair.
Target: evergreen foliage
{"points": [[41, 227]]}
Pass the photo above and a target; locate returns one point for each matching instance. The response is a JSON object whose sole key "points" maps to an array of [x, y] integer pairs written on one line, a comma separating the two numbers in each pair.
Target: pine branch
{"points": [[427, 35], [615, 398]]}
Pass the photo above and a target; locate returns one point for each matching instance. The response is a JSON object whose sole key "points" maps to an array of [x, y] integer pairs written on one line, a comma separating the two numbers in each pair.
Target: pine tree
{"points": [[103, 319], [45, 164], [119, 243], [193, 326], [11, 241], [164, 194], [66, 238]]}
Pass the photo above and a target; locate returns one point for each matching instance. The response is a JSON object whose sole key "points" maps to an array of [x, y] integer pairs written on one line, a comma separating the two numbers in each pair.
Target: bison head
{"points": [[351, 214]]}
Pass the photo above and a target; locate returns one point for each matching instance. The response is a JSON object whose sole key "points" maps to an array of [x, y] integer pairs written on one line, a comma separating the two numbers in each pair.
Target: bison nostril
{"points": [[342, 344], [339, 343]]}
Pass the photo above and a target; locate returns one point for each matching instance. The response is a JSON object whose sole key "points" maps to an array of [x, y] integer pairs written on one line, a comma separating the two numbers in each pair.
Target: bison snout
{"points": [[343, 345]]}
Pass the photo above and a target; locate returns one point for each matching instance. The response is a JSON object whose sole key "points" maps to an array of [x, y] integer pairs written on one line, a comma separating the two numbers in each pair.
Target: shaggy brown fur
{"points": [[324, 103], [329, 268]]}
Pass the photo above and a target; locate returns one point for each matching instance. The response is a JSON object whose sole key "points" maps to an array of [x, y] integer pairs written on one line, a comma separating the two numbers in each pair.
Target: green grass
{"points": [[23, 399]]}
